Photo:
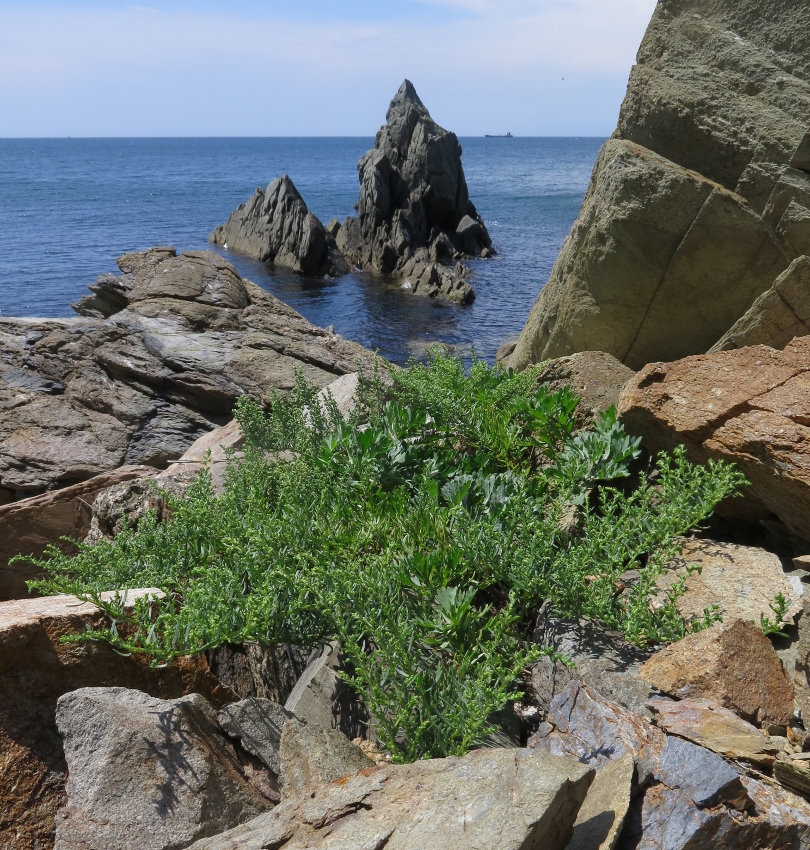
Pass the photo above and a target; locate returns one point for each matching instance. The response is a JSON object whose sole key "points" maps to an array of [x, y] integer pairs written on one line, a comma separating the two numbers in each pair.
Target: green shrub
{"points": [[424, 541]]}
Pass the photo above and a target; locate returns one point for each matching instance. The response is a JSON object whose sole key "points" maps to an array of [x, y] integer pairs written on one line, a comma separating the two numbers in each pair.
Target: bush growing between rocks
{"points": [[424, 541]]}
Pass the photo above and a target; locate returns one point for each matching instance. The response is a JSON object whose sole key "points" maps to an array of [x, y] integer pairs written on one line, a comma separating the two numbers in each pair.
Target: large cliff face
{"points": [[701, 198]]}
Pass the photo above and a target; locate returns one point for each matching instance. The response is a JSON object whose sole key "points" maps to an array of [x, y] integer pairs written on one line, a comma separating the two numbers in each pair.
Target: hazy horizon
{"points": [[199, 68]]}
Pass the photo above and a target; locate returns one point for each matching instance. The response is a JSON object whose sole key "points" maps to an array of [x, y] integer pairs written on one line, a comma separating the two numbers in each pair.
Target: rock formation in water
{"points": [[415, 214], [699, 201], [275, 226], [156, 358]]}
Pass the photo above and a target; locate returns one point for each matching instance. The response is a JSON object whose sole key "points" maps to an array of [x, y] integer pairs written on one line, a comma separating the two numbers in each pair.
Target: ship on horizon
{"points": [[507, 135]]}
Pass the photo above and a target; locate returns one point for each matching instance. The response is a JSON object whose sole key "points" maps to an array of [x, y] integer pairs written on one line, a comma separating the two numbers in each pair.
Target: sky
{"points": [[313, 67]]}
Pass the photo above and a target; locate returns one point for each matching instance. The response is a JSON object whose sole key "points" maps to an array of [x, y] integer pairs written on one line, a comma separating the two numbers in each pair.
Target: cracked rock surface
{"points": [[698, 202], [156, 358], [750, 406], [508, 799]]}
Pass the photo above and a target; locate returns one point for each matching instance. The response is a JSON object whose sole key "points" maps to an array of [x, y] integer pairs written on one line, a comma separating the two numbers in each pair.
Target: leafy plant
{"points": [[423, 533], [779, 607]]}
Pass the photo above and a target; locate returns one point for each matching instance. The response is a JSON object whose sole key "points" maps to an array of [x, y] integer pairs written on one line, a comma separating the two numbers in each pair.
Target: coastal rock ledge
{"points": [[156, 358]]}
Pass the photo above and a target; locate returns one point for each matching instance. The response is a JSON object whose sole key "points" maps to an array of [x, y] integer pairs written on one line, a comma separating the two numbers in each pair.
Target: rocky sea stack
{"points": [[415, 214], [416, 219], [698, 202], [275, 226]]}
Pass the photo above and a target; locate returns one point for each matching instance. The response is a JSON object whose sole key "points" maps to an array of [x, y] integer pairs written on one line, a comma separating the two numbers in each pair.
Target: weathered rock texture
{"points": [[597, 378], [310, 755], [27, 527], [600, 820], [733, 664], [685, 796], [504, 799], [146, 773], [716, 728], [604, 660], [741, 581], [322, 698], [777, 316], [257, 724], [750, 406], [699, 201], [415, 214], [275, 226], [156, 359], [35, 670]]}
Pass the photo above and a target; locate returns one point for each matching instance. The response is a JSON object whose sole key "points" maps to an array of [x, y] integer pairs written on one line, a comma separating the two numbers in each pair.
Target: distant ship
{"points": [[507, 136]]}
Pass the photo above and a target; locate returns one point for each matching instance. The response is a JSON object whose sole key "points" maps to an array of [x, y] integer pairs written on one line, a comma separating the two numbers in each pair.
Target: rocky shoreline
{"points": [[680, 299]]}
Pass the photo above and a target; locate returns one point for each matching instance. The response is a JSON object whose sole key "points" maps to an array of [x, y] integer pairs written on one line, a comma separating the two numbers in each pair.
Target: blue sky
{"points": [[315, 67]]}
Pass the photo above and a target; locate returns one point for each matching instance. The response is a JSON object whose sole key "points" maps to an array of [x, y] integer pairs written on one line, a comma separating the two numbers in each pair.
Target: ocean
{"points": [[69, 207]]}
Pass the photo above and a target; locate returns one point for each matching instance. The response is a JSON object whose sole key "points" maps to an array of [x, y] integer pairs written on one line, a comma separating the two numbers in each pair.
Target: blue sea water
{"points": [[69, 207]]}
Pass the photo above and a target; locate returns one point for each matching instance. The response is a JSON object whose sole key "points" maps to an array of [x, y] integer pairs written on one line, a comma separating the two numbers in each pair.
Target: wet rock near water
{"points": [[156, 359], [415, 216], [275, 226]]}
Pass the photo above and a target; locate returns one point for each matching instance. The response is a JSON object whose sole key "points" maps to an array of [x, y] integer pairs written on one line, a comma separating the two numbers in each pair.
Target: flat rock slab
{"points": [[503, 800], [741, 581], [716, 728], [733, 664], [310, 755], [36, 668], [146, 773], [257, 723], [156, 359], [585, 726], [702, 775]]}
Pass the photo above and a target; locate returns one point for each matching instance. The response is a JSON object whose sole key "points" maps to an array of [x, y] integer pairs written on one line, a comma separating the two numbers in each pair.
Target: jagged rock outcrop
{"points": [[275, 226], [156, 358], [699, 201], [415, 214]]}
